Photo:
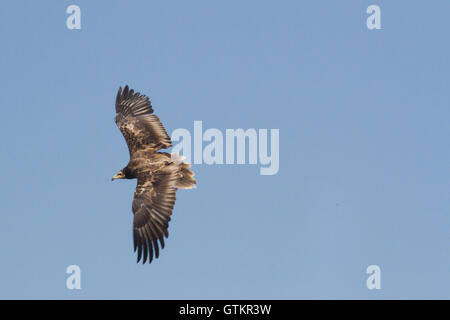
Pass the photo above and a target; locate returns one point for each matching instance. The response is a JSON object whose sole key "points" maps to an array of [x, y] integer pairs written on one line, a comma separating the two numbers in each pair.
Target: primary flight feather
{"points": [[158, 174]]}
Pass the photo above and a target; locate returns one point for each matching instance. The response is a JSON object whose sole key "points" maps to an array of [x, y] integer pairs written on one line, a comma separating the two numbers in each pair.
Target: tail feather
{"points": [[187, 180]]}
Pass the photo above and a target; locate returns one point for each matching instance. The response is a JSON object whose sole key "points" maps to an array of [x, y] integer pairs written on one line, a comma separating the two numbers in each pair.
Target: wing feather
{"points": [[153, 203], [139, 126]]}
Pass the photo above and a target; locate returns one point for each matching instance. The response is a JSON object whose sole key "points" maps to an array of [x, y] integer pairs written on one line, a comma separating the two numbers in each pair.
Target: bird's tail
{"points": [[187, 180]]}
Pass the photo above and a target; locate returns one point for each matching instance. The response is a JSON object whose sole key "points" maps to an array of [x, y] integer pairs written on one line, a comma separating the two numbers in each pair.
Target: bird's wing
{"points": [[153, 202], [135, 119]]}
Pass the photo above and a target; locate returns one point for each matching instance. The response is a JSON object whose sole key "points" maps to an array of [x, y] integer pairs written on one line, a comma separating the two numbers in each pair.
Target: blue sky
{"points": [[364, 158]]}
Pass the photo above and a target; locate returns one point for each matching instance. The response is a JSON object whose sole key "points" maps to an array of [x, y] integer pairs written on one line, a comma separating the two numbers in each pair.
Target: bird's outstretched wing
{"points": [[153, 202], [135, 119]]}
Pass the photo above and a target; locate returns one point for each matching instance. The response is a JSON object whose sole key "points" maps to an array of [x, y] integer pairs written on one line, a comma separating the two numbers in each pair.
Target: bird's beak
{"points": [[117, 176]]}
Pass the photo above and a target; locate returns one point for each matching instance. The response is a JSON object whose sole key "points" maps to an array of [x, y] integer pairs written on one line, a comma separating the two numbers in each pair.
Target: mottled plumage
{"points": [[158, 174]]}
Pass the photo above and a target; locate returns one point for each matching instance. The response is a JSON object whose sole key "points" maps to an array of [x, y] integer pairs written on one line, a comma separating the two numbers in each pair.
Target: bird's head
{"points": [[119, 175]]}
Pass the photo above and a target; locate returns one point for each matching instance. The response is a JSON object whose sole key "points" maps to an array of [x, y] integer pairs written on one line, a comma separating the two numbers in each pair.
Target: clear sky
{"points": [[364, 148]]}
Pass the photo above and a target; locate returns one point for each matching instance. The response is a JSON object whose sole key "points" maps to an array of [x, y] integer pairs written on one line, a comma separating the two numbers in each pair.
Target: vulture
{"points": [[158, 174]]}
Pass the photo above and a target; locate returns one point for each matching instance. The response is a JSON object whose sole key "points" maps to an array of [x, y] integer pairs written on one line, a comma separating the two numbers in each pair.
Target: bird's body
{"points": [[158, 174]]}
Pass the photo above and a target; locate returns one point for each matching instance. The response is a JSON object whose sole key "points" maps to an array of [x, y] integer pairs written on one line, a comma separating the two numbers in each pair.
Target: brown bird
{"points": [[158, 174]]}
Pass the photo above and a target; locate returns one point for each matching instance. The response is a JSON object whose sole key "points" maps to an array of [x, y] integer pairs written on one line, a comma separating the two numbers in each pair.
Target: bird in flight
{"points": [[158, 174]]}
